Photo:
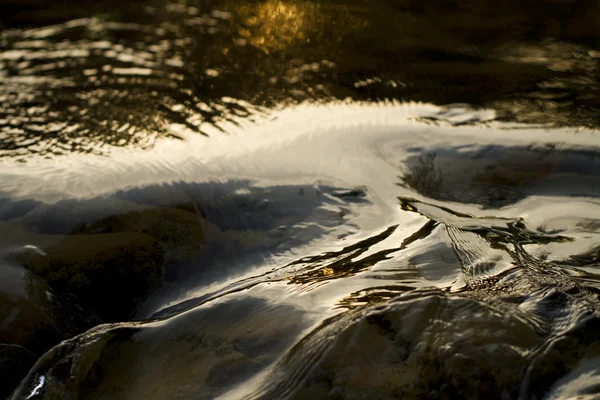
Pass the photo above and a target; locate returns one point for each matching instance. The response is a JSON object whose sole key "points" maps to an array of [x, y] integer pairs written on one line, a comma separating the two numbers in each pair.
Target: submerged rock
{"points": [[110, 273], [195, 355], [422, 344], [496, 176], [431, 345], [113, 263], [179, 233], [32, 320]]}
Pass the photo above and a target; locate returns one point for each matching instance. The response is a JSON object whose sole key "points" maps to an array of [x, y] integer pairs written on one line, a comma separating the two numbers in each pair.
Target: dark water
{"points": [[295, 199]]}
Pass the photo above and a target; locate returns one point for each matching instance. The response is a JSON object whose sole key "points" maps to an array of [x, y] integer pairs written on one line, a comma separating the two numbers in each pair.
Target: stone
{"points": [[33, 318], [110, 273]]}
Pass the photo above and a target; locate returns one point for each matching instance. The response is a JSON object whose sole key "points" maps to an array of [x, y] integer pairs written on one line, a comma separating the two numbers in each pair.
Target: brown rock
{"points": [[32, 320], [110, 273]]}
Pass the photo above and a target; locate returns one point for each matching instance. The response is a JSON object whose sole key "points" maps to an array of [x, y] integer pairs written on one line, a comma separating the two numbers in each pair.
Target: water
{"points": [[292, 199]]}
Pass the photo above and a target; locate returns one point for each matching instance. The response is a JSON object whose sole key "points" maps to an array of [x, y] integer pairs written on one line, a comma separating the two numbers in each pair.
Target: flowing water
{"points": [[295, 199]]}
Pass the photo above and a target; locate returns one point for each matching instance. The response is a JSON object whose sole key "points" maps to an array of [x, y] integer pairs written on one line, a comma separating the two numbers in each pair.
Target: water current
{"points": [[294, 199]]}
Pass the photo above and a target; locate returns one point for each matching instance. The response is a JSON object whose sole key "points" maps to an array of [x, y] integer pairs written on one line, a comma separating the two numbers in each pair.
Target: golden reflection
{"points": [[344, 263], [273, 25]]}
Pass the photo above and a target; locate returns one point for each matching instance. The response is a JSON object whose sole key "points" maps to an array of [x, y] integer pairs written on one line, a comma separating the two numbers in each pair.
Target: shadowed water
{"points": [[294, 199]]}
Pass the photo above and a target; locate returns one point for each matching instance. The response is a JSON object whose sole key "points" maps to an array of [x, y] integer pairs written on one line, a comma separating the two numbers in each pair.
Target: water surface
{"points": [[294, 199]]}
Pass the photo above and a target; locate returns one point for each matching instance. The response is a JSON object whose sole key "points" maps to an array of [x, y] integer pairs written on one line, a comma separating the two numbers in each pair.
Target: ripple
{"points": [[285, 199]]}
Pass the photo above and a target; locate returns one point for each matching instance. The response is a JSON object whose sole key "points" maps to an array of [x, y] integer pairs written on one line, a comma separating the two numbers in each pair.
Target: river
{"points": [[295, 199]]}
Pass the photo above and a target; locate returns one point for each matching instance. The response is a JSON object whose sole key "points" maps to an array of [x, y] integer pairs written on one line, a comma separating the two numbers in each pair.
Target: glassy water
{"points": [[295, 199]]}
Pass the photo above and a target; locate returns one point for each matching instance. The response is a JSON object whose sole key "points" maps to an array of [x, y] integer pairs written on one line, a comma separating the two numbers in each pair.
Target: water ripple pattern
{"points": [[290, 199]]}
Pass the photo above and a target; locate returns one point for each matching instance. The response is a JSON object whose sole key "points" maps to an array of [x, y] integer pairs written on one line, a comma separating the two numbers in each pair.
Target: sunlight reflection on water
{"points": [[292, 199]]}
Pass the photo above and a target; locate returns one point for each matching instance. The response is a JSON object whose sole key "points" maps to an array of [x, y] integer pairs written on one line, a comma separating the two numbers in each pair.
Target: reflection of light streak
{"points": [[305, 140], [36, 390]]}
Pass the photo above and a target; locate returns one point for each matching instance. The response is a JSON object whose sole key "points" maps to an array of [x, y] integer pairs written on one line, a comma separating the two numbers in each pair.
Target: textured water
{"points": [[293, 199]]}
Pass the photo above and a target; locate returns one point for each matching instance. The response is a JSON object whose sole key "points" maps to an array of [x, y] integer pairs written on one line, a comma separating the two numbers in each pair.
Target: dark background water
{"points": [[532, 61]]}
